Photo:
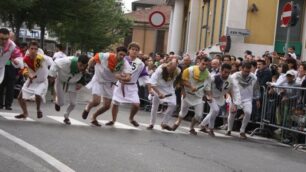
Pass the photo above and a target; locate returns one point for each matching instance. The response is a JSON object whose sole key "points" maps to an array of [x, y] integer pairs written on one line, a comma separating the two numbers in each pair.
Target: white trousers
{"points": [[167, 114], [212, 115], [247, 110], [60, 97], [198, 110]]}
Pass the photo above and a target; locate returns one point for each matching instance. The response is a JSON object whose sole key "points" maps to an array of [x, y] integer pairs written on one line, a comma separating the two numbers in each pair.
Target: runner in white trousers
{"points": [[249, 90], [197, 85], [161, 90], [221, 85]]}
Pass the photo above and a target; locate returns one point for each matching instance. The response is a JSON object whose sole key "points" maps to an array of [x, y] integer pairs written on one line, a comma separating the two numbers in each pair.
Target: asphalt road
{"points": [[123, 148]]}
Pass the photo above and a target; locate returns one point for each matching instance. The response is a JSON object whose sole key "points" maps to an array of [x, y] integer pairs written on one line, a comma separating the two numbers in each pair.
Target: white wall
{"points": [[236, 13], [193, 25], [177, 26], [236, 17]]}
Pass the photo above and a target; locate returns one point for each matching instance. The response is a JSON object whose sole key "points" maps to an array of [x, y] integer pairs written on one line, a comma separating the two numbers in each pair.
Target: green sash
{"points": [[74, 66], [8, 62], [203, 75]]}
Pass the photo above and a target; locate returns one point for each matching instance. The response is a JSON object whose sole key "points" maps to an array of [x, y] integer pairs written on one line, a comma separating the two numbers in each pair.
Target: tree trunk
{"points": [[17, 33], [42, 36]]}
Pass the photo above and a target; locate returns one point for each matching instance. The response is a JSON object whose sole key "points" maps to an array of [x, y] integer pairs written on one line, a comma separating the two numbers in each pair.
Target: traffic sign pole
{"points": [[287, 40], [288, 31]]}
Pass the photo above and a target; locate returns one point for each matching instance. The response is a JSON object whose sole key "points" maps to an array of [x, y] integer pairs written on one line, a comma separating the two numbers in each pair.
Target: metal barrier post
{"points": [[262, 115], [288, 103]]}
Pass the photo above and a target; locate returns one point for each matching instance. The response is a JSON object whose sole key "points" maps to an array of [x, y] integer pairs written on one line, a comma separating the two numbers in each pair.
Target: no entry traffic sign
{"points": [[286, 15], [157, 19]]}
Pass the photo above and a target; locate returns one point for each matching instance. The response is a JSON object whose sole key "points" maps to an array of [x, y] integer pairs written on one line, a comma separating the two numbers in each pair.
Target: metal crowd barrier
{"points": [[146, 104], [284, 109]]}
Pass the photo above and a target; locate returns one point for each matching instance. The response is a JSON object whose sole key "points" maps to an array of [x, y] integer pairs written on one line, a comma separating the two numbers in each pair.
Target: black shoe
{"points": [[150, 127], [39, 114], [96, 123], [228, 133], [203, 129], [193, 132], [57, 107], [109, 123], [85, 114], [67, 121], [1, 106], [211, 133], [166, 127], [134, 123], [174, 127], [8, 108], [21, 116], [243, 136]]}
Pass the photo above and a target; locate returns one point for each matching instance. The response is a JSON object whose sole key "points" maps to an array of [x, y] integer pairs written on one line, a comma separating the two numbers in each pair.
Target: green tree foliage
{"points": [[92, 25], [44, 12], [85, 24], [15, 12]]}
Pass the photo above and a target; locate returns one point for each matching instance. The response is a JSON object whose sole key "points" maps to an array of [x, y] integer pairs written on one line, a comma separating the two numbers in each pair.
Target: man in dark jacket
{"points": [[263, 73]]}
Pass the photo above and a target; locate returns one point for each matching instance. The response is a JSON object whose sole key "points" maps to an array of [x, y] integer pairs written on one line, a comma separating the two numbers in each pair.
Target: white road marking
{"points": [[120, 125], [217, 134], [11, 116], [27, 161], [158, 127], [73, 121], [43, 155], [187, 128]]}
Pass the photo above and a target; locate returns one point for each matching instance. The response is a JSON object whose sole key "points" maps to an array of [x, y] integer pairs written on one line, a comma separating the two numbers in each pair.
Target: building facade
{"points": [[150, 39], [251, 24]]}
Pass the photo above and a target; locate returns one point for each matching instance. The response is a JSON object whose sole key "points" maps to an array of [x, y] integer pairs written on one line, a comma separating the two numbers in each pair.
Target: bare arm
{"points": [[160, 95], [91, 62], [188, 85], [123, 77]]}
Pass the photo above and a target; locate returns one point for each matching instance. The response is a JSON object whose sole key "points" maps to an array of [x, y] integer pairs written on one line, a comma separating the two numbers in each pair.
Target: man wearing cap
{"points": [[290, 77], [289, 96]]}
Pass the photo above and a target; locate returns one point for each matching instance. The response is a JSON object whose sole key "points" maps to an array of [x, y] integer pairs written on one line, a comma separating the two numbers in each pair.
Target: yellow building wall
{"points": [[261, 24], [217, 22], [224, 17], [210, 22], [146, 37], [200, 30], [204, 23], [150, 41], [138, 37], [217, 25]]}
